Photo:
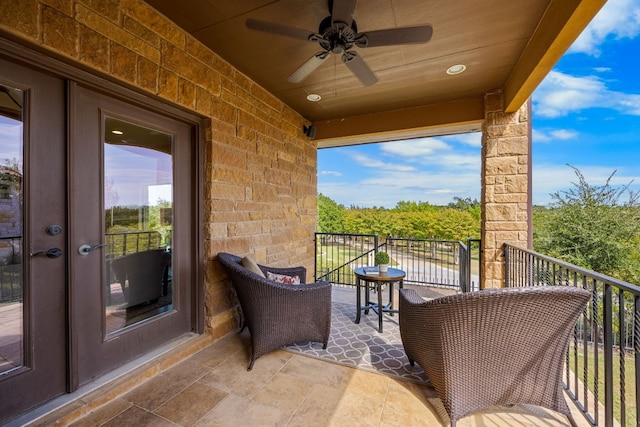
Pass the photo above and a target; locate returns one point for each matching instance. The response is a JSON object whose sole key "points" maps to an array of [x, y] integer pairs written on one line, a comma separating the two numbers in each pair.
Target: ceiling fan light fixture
{"points": [[456, 69], [313, 97]]}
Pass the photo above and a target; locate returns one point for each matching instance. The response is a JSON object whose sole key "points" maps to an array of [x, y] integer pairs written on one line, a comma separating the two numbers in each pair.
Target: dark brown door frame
{"points": [[30, 54]]}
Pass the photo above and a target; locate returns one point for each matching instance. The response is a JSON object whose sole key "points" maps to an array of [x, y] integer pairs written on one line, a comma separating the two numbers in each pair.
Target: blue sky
{"points": [[585, 113]]}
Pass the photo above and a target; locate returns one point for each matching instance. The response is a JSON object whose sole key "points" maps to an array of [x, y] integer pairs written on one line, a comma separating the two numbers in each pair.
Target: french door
{"points": [[130, 247], [97, 253], [33, 254]]}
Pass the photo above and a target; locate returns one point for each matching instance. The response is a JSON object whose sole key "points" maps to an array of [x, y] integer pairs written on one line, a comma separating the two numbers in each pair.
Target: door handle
{"points": [[87, 249], [49, 253]]}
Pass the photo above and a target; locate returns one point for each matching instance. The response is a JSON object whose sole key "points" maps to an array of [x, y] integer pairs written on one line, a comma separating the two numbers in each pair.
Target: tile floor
{"points": [[212, 387]]}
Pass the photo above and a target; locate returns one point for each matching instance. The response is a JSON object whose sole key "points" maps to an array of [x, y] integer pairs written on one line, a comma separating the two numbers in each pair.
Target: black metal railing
{"points": [[603, 361], [120, 244], [435, 263], [11, 269]]}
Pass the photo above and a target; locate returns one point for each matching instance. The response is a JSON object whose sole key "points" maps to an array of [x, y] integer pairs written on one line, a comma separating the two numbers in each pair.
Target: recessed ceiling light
{"points": [[456, 69], [117, 132], [314, 97]]}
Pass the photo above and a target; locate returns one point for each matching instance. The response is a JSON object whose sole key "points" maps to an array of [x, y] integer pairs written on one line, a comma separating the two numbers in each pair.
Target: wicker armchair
{"points": [[278, 314], [493, 347]]}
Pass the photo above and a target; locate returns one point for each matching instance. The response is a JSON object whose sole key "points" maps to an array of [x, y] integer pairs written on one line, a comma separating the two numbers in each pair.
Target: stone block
{"points": [[186, 93], [59, 32], [493, 101], [228, 191], [500, 212], [148, 72], [513, 146], [115, 33], [20, 16], [168, 85], [501, 166], [105, 8], [156, 22], [225, 155], [123, 63], [137, 29], [93, 49]]}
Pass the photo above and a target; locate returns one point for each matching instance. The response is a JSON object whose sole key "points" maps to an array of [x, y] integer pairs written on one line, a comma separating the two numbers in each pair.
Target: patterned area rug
{"points": [[362, 346]]}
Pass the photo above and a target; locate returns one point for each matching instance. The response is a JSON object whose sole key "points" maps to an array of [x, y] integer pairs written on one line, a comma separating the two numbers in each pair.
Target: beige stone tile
{"points": [[188, 406], [410, 404], [138, 417], [318, 408], [103, 414], [221, 350], [154, 392], [186, 372], [284, 392], [319, 372], [236, 411], [330, 406], [369, 384], [232, 375]]}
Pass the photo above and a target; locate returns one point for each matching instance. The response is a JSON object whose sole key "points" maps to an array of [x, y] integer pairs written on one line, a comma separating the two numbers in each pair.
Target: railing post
{"points": [[315, 257], [607, 313], [507, 266], [636, 349]]}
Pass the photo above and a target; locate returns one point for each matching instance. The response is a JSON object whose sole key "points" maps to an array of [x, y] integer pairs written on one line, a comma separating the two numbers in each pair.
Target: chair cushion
{"points": [[283, 278], [251, 265]]}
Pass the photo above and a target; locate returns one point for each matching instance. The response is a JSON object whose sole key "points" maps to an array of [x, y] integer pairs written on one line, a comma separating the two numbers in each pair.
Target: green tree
{"points": [[592, 226], [330, 215]]}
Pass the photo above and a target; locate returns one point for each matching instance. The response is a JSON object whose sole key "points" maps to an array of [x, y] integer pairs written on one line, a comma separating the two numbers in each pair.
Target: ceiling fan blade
{"points": [[342, 11], [282, 30], [395, 36], [360, 68], [308, 67]]}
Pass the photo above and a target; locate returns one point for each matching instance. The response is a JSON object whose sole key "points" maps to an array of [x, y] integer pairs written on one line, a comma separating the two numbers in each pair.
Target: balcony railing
{"points": [[436, 263], [603, 361]]}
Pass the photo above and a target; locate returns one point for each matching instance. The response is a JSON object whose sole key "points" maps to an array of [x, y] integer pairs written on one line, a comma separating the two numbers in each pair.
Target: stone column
{"points": [[506, 185]]}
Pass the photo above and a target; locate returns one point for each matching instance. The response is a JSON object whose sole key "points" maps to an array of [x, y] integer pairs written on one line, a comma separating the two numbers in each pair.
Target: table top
{"points": [[392, 274]]}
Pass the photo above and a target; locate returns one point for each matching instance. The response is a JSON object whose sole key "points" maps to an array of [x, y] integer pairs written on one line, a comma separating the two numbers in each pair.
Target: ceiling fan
{"points": [[338, 34]]}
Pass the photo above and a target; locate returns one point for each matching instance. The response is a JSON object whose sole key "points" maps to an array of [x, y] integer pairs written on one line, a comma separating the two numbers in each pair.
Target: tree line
{"points": [[417, 220], [596, 227]]}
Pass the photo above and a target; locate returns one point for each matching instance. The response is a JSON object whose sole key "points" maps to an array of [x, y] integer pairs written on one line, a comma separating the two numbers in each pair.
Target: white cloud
{"points": [[617, 18], [332, 173], [473, 139], [560, 94], [548, 179], [376, 163], [415, 147], [387, 188], [553, 135]]}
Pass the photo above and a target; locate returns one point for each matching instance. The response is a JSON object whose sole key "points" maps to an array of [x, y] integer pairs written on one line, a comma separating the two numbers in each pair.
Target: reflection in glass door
{"points": [[138, 201], [11, 230]]}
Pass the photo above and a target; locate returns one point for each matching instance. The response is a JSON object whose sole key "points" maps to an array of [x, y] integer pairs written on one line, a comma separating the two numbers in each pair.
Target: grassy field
{"points": [[630, 392]]}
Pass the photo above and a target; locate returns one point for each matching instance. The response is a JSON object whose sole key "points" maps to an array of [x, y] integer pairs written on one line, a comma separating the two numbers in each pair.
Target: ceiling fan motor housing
{"points": [[338, 37]]}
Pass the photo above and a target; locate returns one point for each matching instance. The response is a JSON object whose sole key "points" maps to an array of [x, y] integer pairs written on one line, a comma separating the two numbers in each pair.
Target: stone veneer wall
{"points": [[260, 171], [506, 189]]}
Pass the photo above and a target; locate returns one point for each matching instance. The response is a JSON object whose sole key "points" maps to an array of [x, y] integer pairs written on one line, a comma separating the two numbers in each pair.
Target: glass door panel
{"points": [[11, 230], [138, 201]]}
